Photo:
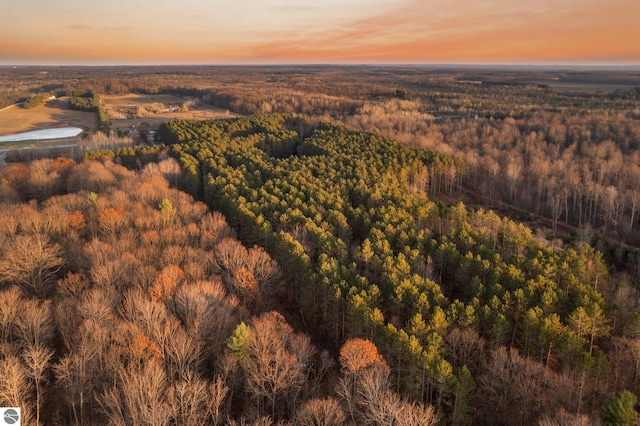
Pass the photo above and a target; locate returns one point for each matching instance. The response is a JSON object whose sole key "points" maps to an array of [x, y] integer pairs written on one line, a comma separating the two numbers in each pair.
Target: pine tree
{"points": [[619, 410]]}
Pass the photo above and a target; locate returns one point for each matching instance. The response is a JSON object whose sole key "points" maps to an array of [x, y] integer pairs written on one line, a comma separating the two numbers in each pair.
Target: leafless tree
{"points": [[320, 412], [512, 379], [562, 418], [139, 397], [188, 401], [169, 169], [149, 316], [374, 403], [16, 388], [513, 172], [207, 313], [31, 262], [214, 228], [10, 305], [610, 207], [276, 361], [464, 347], [33, 323], [323, 363], [260, 421], [76, 374], [265, 270], [182, 352], [229, 256], [36, 359], [44, 180], [91, 176], [625, 359], [217, 394]]}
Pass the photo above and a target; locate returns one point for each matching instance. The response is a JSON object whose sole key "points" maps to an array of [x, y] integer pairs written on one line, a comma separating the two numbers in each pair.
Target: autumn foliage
{"points": [[112, 314], [166, 283], [357, 354]]}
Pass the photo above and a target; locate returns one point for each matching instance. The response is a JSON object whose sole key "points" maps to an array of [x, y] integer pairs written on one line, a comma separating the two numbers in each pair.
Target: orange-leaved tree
{"points": [[358, 353]]}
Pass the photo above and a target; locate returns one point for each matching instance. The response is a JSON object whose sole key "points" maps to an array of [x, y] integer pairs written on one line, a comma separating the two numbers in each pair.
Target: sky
{"points": [[123, 32]]}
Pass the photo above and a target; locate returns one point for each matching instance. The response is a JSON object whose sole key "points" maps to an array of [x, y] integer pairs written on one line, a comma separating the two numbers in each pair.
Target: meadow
{"points": [[54, 113], [132, 110]]}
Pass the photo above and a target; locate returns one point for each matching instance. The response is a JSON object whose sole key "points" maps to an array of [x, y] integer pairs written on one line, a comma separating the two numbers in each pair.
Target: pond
{"points": [[59, 133]]}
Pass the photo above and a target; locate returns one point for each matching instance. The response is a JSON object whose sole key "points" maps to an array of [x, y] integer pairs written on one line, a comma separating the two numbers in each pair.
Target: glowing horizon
{"points": [[75, 32]]}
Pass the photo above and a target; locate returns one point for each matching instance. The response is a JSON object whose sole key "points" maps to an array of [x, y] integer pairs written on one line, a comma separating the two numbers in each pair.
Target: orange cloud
{"points": [[592, 32], [381, 31]]}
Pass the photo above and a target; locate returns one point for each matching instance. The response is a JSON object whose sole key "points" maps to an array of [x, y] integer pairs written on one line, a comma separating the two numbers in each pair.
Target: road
{"points": [[11, 106]]}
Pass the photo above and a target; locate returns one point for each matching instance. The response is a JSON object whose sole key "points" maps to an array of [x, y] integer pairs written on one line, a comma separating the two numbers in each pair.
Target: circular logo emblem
{"points": [[11, 416]]}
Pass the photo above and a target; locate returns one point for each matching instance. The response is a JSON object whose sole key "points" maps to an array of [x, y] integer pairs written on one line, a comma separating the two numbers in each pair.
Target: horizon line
{"points": [[335, 64]]}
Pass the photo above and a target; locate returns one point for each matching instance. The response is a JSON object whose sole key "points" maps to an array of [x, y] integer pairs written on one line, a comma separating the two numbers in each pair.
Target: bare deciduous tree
{"points": [[75, 373], [512, 379], [562, 418], [149, 316], [91, 176], [374, 403], [36, 359], [320, 412], [207, 313], [34, 325], [31, 262], [217, 394], [169, 169], [276, 362], [214, 228], [15, 387], [265, 270], [44, 179], [464, 347], [188, 401], [10, 304], [183, 355], [139, 398], [229, 256]]}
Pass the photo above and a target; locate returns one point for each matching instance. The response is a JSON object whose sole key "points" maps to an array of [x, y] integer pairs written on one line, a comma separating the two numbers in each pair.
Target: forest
{"points": [[365, 246], [529, 146], [433, 286], [126, 302]]}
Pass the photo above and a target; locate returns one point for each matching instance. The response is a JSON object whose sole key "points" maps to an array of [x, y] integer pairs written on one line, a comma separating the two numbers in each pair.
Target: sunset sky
{"points": [[321, 31]]}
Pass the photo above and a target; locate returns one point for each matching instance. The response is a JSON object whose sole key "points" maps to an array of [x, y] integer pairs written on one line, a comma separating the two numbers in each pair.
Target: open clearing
{"points": [[128, 106], [129, 102], [54, 113]]}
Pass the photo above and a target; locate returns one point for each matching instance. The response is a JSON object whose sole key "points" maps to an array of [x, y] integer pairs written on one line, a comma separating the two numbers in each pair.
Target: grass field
{"points": [[54, 113], [131, 101], [127, 106]]}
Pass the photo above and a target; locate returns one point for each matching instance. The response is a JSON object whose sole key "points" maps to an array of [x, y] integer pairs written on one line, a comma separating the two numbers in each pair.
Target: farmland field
{"points": [[54, 113], [124, 110]]}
